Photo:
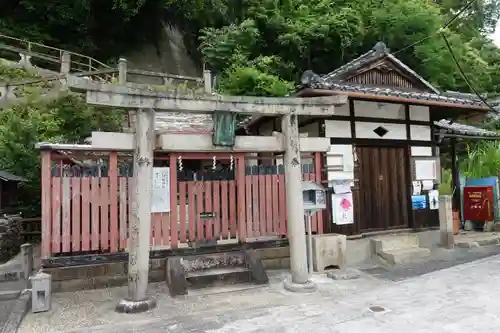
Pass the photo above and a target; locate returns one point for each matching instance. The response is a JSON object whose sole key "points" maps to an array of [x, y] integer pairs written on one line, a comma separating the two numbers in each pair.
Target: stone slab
{"points": [[401, 256]]}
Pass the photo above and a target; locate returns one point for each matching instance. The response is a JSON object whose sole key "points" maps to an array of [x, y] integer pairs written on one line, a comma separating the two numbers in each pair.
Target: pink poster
{"points": [[342, 208]]}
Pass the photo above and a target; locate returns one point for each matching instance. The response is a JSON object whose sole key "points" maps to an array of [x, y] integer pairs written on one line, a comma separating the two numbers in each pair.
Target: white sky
{"points": [[496, 35]]}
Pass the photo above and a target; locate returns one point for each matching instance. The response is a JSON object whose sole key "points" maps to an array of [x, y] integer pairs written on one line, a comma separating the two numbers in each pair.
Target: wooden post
{"points": [[140, 222], [65, 63], [122, 71], [295, 208], [455, 176]]}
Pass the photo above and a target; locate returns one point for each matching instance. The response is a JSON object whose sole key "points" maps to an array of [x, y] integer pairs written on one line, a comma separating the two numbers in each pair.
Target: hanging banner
{"points": [[160, 201], [342, 208]]}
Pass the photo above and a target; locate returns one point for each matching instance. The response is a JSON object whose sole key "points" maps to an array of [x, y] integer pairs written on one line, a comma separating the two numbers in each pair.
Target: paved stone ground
{"points": [[5, 309], [458, 299], [440, 259]]}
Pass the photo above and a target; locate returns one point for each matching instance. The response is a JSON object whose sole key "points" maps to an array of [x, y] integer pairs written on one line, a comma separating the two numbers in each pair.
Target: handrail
{"points": [[29, 45]]}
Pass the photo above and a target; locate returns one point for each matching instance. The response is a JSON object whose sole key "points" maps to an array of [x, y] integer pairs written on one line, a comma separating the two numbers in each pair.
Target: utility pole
{"points": [[140, 221], [299, 281]]}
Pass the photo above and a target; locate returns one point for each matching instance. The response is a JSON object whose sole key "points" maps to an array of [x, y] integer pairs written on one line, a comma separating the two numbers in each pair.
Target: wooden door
{"points": [[383, 196]]}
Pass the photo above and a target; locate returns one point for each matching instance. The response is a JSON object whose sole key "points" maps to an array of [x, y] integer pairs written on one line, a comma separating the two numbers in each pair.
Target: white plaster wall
{"points": [[337, 128], [420, 132], [420, 113], [364, 130], [379, 110], [421, 151], [340, 162]]}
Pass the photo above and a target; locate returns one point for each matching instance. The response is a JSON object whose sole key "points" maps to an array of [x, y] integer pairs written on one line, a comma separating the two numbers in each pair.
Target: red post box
{"points": [[478, 203]]}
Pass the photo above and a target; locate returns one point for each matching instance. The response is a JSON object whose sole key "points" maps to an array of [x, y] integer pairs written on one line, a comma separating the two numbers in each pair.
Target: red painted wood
{"points": [[199, 209], [123, 212], [114, 236], [191, 211], [104, 203], [216, 209], [85, 189], [248, 206], [240, 187], [182, 212], [255, 206], [317, 170], [282, 204], [66, 214], [269, 205], [56, 214], [165, 228], [224, 208], [207, 188], [156, 228], [94, 206], [232, 208], [75, 214], [173, 201], [275, 200], [262, 205], [46, 226]]}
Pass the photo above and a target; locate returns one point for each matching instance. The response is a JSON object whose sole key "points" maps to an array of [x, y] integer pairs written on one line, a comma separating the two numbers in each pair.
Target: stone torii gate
{"points": [[146, 101]]}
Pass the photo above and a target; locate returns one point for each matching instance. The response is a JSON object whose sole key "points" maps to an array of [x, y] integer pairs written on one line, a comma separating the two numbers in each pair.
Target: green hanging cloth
{"points": [[224, 128]]}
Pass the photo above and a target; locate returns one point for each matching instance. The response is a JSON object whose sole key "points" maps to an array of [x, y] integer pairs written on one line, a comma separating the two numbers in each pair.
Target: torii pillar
{"points": [[140, 220], [135, 96]]}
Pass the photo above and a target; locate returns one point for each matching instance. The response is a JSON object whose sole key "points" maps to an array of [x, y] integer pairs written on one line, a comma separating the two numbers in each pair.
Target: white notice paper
{"points": [[342, 188], [433, 199], [417, 187], [160, 201], [427, 185], [425, 169]]}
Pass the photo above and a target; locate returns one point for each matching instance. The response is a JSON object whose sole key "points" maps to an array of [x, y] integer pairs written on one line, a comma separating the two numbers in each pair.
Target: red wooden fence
{"points": [[89, 213]]}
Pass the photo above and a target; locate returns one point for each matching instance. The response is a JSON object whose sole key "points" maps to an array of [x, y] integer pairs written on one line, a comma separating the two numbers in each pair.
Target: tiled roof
{"points": [[378, 52], [8, 177], [466, 130], [184, 122], [335, 81], [321, 83]]}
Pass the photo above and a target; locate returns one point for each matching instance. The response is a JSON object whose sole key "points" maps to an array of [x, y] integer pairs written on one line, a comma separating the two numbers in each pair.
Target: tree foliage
{"points": [[296, 34], [65, 120]]}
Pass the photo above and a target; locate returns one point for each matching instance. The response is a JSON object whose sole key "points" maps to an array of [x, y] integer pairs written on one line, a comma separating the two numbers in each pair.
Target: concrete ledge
{"points": [[9, 295], [477, 239]]}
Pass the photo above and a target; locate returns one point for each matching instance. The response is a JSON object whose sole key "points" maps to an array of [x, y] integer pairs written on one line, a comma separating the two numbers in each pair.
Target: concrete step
{"points": [[218, 277], [214, 270], [394, 242], [403, 256]]}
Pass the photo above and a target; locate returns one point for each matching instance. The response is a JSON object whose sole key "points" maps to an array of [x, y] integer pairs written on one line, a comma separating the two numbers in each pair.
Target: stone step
{"points": [[394, 242], [214, 270], [403, 256], [212, 261], [218, 277]]}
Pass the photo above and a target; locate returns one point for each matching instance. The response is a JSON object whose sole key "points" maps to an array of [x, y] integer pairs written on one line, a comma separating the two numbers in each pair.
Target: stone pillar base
{"points": [[293, 287], [127, 306]]}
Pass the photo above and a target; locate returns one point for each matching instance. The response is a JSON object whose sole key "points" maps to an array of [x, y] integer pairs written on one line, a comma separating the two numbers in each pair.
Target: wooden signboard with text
{"points": [[478, 203]]}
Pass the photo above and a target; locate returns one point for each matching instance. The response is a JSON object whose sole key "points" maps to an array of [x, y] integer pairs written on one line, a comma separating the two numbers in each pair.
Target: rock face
{"points": [[167, 55], [10, 236]]}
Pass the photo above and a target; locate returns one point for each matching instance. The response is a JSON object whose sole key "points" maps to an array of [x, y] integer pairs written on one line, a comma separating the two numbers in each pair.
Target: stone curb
{"points": [[478, 243], [17, 313]]}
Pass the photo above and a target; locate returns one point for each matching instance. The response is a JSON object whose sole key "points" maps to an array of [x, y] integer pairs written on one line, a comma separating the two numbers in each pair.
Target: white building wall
{"points": [[340, 158]]}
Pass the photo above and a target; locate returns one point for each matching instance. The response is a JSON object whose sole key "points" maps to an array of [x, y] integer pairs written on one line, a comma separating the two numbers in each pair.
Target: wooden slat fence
{"points": [[88, 210]]}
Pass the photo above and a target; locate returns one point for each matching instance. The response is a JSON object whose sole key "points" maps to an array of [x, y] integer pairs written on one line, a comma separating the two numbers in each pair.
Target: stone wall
{"points": [[10, 236]]}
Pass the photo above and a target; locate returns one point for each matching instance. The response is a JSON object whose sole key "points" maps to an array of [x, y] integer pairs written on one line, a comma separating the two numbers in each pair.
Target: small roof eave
{"points": [[456, 130]]}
